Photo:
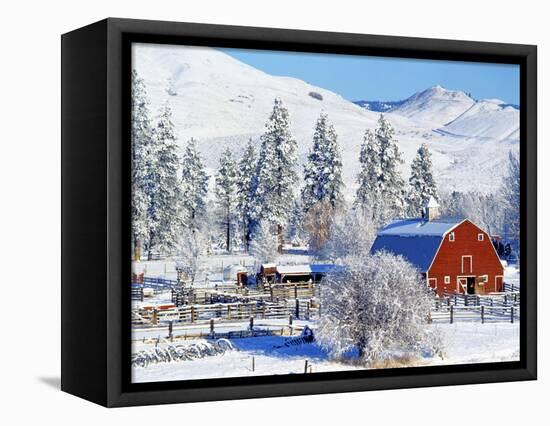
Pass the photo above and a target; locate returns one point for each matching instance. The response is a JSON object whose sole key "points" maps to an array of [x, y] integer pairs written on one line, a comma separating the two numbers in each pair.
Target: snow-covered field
{"points": [[466, 343]]}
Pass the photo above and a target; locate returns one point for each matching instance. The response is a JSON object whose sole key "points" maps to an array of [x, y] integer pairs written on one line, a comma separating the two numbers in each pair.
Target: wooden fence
{"points": [[482, 313], [195, 314]]}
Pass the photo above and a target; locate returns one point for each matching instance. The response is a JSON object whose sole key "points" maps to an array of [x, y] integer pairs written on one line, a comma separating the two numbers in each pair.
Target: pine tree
{"points": [[381, 187], [422, 184], [142, 159], [511, 196], [226, 195], [194, 187], [164, 219], [368, 191], [391, 183], [275, 175], [323, 169], [245, 179]]}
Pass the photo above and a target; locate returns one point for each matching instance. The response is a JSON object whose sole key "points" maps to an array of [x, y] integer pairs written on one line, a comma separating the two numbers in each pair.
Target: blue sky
{"points": [[386, 79]]}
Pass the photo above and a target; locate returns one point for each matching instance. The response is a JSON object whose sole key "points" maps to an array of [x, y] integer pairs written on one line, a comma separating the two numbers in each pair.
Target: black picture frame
{"points": [[96, 219]]}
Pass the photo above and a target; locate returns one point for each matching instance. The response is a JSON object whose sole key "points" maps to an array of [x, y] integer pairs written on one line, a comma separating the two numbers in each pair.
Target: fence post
{"points": [[228, 312], [482, 314], [192, 314], [263, 311], [289, 319], [305, 367], [251, 323], [297, 310], [212, 326], [512, 314], [451, 315], [155, 317], [308, 306], [295, 291]]}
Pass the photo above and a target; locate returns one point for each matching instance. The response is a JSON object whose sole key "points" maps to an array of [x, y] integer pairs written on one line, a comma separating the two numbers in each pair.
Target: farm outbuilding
{"points": [[454, 256]]}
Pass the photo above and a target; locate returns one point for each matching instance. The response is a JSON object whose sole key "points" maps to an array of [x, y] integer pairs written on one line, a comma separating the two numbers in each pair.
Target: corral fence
{"points": [[454, 313], [197, 314]]}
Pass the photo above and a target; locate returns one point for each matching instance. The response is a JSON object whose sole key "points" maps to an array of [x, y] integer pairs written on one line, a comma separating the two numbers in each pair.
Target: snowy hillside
{"points": [[487, 119], [223, 102]]}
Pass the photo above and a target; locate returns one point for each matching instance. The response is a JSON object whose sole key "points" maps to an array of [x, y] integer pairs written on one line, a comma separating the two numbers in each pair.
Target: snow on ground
{"points": [[465, 343]]}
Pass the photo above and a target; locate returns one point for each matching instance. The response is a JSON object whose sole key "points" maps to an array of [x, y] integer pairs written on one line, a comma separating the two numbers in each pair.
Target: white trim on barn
{"points": [[471, 263]]}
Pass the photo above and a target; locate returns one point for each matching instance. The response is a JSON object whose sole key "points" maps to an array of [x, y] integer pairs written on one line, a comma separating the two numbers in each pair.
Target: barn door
{"points": [[462, 285]]}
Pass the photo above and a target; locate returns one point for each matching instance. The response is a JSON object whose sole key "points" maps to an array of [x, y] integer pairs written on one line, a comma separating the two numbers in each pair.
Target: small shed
{"points": [[302, 273], [231, 272]]}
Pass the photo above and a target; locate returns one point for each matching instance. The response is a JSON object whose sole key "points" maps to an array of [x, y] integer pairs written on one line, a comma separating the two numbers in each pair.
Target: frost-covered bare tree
{"points": [[318, 225], [379, 305], [264, 243], [352, 232], [192, 247]]}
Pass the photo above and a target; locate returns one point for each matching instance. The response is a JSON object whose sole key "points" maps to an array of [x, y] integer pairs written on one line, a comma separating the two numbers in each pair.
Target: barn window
{"points": [[484, 278], [447, 279], [480, 237], [452, 236]]}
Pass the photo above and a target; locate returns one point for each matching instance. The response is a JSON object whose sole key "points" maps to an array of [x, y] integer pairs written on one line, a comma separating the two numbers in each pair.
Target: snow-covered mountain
{"points": [[436, 105], [221, 102]]}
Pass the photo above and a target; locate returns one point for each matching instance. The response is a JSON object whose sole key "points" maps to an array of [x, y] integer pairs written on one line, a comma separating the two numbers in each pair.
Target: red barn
{"points": [[453, 256]]}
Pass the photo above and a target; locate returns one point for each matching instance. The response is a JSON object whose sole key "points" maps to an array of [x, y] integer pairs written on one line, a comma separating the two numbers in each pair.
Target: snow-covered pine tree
{"points": [[322, 190], [142, 162], [422, 184], [245, 177], [511, 196], [381, 187], [194, 187], [368, 191], [275, 176], [323, 168], [226, 195], [263, 245], [164, 214], [392, 186]]}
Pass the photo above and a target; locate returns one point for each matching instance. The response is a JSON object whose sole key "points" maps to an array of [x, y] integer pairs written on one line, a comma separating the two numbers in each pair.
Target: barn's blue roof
{"points": [[417, 240]]}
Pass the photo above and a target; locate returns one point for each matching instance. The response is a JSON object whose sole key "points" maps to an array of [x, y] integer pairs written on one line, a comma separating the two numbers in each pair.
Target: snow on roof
{"points": [[316, 268], [418, 227], [293, 269], [269, 265], [432, 202]]}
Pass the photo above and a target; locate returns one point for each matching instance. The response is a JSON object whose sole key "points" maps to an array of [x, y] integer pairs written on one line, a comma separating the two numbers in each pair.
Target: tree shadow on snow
{"points": [[274, 346]]}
